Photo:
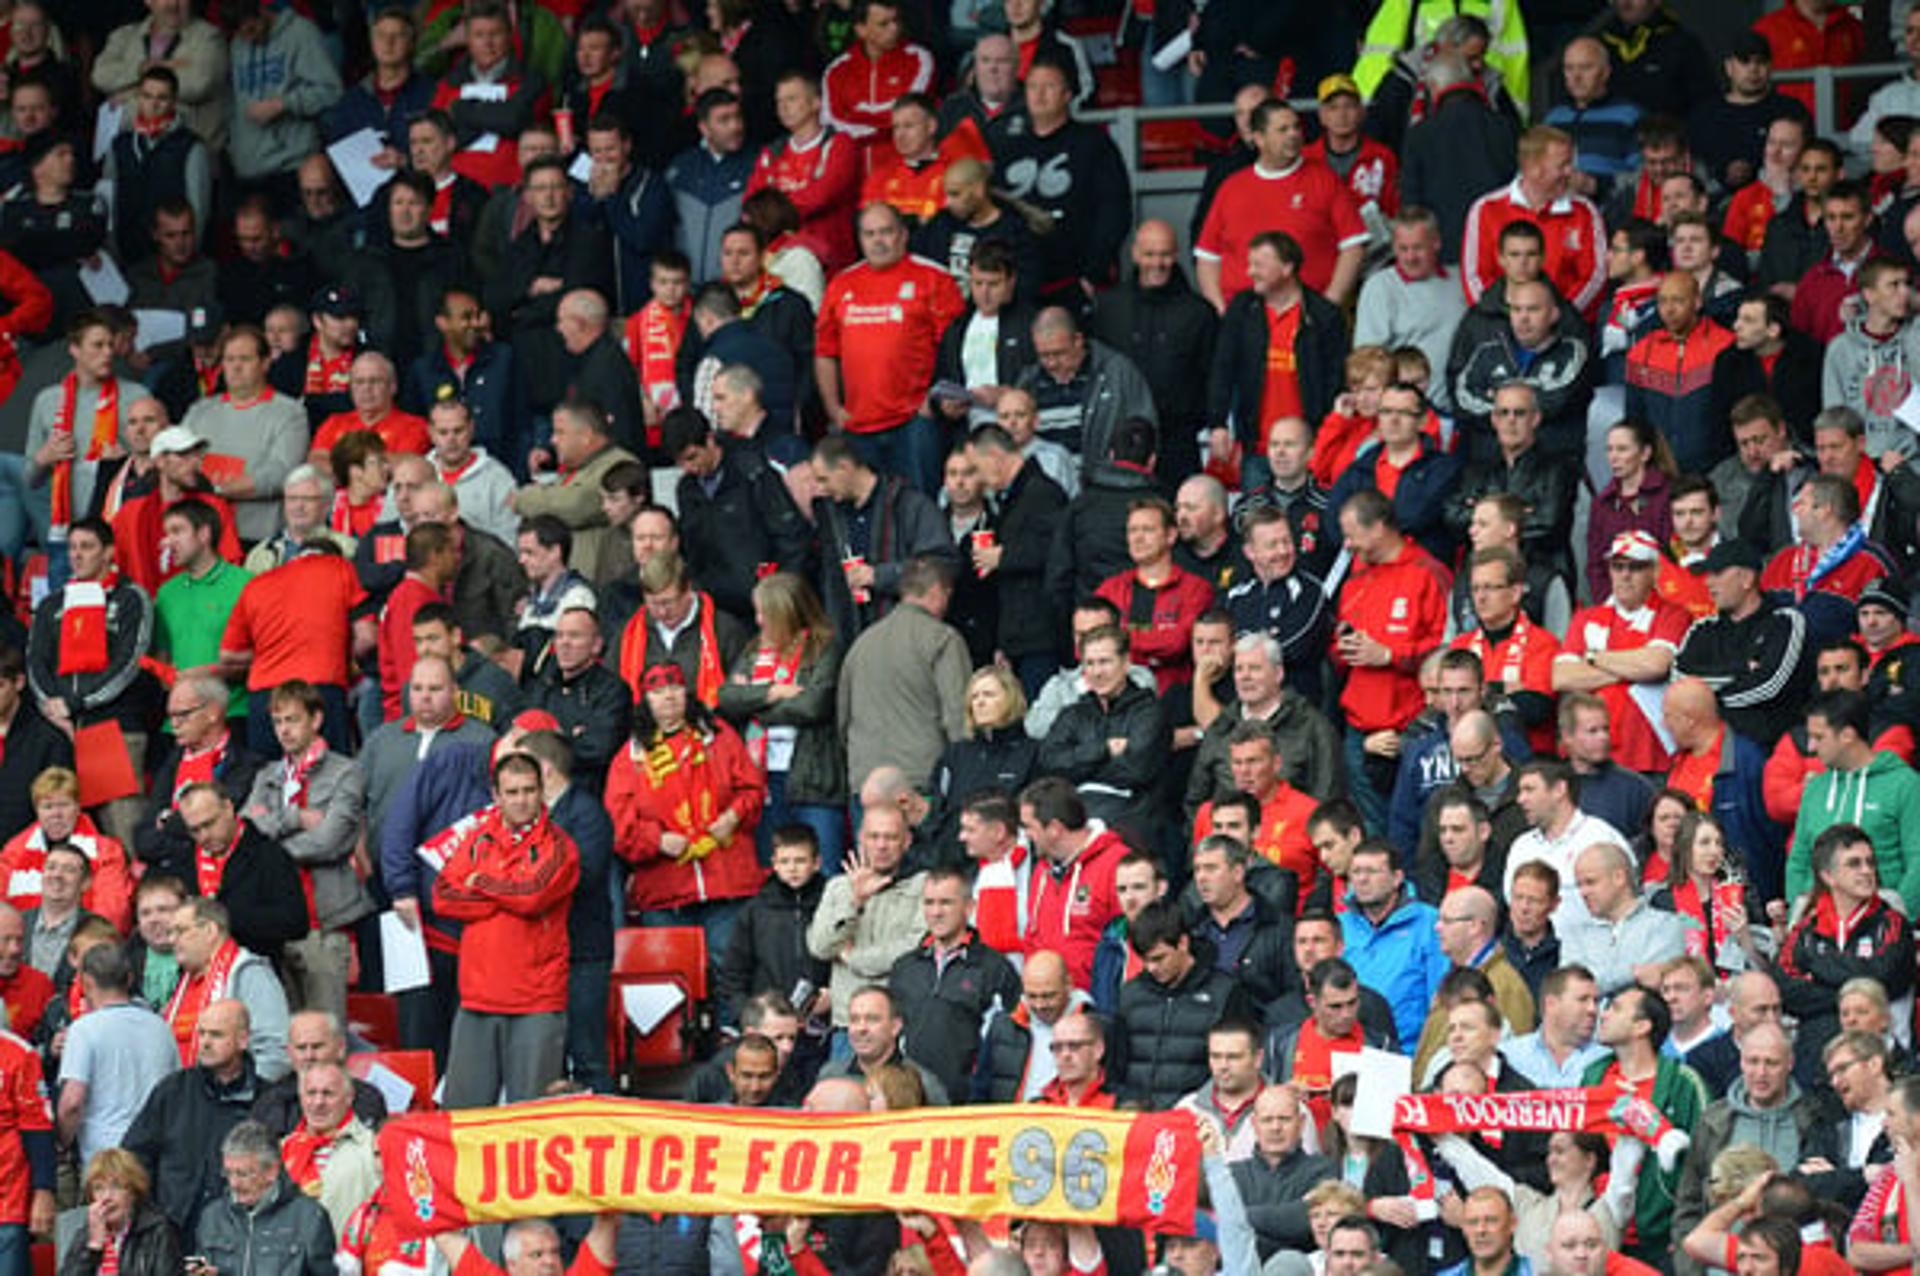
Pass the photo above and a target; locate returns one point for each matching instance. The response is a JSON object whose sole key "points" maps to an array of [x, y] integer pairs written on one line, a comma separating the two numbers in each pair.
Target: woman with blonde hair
{"points": [[996, 754], [781, 696], [894, 1087], [126, 1232]]}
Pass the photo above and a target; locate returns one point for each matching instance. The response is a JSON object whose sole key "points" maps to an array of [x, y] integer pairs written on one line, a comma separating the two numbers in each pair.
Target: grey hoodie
{"points": [[1773, 1130], [291, 64], [1873, 378]]}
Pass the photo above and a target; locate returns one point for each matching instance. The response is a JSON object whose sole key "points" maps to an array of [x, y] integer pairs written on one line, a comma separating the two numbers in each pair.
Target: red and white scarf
{"points": [[83, 628], [296, 773], [199, 766], [209, 870], [104, 434], [194, 993], [305, 1153], [327, 375], [771, 669]]}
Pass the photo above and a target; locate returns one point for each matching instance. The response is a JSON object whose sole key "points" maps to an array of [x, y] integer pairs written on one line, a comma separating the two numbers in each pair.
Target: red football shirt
{"points": [[894, 318], [1307, 201]]}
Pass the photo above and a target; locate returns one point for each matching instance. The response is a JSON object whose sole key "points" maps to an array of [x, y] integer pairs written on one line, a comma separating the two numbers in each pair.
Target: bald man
{"points": [[1470, 937], [1721, 770], [1670, 376], [1622, 939], [1208, 547], [1016, 1060], [178, 1132], [1016, 412], [1167, 330], [861, 1243]]}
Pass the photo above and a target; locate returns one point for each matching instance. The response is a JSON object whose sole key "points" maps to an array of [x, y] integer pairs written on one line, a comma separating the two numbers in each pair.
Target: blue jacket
{"points": [[707, 190], [449, 786], [590, 918], [359, 108], [742, 342], [1426, 766], [496, 390], [1109, 966], [638, 219], [1420, 500], [1742, 811], [1399, 959]]}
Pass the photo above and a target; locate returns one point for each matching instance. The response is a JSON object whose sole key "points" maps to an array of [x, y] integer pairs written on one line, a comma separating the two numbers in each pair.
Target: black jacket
{"points": [[1420, 500], [747, 522], [261, 891], [1264, 967], [1547, 484], [249, 289], [151, 1248], [278, 1107], [595, 710], [177, 1137], [944, 1007], [1169, 333], [1119, 789], [900, 522], [767, 950], [1077, 177], [1000, 758], [1025, 517], [1813, 967], [1235, 389], [1090, 539], [1463, 149], [947, 241], [579, 254], [1794, 382], [32, 745], [1013, 349], [161, 841], [1162, 1032], [1760, 668], [1006, 1048]]}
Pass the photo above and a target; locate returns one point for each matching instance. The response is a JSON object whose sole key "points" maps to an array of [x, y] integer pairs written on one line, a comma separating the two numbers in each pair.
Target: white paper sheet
{"points": [[352, 158], [1650, 699], [485, 144], [648, 1005], [1174, 52], [483, 92], [1908, 413], [158, 327], [107, 123], [582, 168], [1381, 1077], [104, 282], [394, 1088], [403, 954]]}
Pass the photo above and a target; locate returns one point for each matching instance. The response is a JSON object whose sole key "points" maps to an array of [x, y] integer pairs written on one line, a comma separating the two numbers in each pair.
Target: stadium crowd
{"points": [[485, 474]]}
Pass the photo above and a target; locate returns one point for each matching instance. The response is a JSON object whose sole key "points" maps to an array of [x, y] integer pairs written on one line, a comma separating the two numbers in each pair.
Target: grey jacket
{"points": [[818, 772], [1612, 949], [1853, 361], [286, 1234], [1307, 745], [1116, 391], [903, 695], [392, 752], [337, 787], [291, 64], [46, 406], [269, 438], [1791, 1132], [863, 943]]}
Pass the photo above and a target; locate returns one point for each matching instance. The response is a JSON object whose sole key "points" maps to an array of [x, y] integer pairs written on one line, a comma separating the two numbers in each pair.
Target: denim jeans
{"points": [[716, 917], [912, 450], [16, 1252], [587, 992], [829, 825], [1372, 803]]}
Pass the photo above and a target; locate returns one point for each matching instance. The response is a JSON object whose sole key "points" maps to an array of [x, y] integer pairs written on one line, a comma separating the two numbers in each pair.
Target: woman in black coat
{"points": [[119, 1213], [997, 753]]}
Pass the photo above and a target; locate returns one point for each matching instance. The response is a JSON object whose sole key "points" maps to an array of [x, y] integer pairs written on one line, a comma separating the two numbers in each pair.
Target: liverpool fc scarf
{"points": [[83, 628], [328, 375], [105, 434], [771, 669], [1601, 1109]]}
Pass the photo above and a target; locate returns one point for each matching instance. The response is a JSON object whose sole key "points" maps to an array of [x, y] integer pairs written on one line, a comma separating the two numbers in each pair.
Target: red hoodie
{"points": [[1072, 904]]}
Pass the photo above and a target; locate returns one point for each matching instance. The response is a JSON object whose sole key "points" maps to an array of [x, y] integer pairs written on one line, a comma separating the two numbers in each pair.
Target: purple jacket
{"points": [[1612, 514]]}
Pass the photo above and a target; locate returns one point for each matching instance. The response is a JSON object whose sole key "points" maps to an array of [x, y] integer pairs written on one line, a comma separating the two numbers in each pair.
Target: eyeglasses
{"points": [[182, 714], [1061, 1047], [1838, 1068]]}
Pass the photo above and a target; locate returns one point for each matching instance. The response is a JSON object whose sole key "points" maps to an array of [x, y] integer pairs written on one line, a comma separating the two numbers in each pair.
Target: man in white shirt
{"points": [[1558, 830]]}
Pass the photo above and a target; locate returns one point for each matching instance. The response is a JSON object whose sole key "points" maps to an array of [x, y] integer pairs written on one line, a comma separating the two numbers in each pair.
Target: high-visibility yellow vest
{"points": [[1402, 25]]}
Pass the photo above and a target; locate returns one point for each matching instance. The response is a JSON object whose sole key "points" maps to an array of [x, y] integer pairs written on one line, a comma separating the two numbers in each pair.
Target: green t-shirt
{"points": [[190, 617]]}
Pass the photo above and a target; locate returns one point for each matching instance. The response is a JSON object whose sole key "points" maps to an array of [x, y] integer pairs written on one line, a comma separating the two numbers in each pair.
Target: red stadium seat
{"points": [[376, 1017], [674, 955]]}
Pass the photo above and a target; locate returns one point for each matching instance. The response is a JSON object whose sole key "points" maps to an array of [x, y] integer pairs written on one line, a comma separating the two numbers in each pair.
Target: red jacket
{"points": [[109, 893], [1374, 175], [823, 181], [1165, 643], [513, 891], [1797, 44], [1402, 603], [1576, 244], [1072, 904], [860, 93], [1818, 297], [648, 795], [32, 311]]}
